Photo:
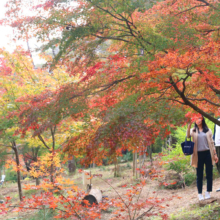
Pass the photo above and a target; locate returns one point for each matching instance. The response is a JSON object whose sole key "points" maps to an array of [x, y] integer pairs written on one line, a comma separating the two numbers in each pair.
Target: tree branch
{"points": [[42, 140], [196, 108], [217, 91], [204, 99]]}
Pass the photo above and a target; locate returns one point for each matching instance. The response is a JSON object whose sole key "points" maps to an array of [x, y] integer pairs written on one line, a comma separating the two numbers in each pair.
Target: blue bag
{"points": [[187, 147]]}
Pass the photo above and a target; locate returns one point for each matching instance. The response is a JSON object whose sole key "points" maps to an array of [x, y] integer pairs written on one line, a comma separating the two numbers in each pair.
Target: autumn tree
{"points": [[180, 58], [41, 111]]}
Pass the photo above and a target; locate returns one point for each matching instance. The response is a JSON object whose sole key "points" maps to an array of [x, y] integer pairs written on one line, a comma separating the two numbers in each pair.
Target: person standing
{"points": [[204, 153], [216, 137]]}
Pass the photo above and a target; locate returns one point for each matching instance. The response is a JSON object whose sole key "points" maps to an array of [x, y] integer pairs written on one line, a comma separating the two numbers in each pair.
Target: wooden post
{"points": [[71, 165], [86, 181]]}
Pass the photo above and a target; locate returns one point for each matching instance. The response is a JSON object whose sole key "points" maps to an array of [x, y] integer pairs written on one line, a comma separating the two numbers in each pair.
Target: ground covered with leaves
{"points": [[176, 203]]}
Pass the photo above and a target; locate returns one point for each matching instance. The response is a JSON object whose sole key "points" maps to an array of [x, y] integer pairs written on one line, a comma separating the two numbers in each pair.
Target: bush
{"points": [[180, 166], [177, 163], [128, 165], [43, 214], [10, 175], [189, 178], [127, 157], [215, 172]]}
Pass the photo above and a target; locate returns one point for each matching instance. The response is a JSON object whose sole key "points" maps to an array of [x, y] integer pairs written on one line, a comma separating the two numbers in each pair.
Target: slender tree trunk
{"points": [[117, 168], [115, 173], [37, 181], [18, 171], [4, 168], [135, 164], [53, 148], [150, 151], [51, 170], [72, 165], [35, 153]]}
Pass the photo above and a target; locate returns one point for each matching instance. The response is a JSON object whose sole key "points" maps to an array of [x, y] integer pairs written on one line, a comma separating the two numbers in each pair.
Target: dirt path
{"points": [[174, 200], [180, 198]]}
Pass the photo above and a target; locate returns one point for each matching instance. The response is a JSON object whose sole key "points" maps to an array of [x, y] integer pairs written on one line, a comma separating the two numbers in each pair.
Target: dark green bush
{"points": [[10, 175], [190, 178], [179, 166], [127, 157], [183, 166]]}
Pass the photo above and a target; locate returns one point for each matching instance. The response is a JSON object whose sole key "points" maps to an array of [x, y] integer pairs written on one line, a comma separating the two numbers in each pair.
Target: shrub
{"points": [[10, 175], [215, 173], [46, 214], [127, 157], [189, 178], [128, 165], [179, 164]]}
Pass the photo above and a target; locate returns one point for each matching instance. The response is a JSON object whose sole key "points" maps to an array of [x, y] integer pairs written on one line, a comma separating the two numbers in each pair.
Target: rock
{"points": [[172, 180], [208, 201]]}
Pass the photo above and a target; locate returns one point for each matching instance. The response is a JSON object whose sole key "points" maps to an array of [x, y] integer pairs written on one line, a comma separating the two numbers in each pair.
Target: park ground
{"points": [[179, 203]]}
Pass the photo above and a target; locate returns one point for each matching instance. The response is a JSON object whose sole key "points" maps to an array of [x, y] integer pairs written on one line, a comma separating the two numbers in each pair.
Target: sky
{"points": [[6, 32], [6, 35]]}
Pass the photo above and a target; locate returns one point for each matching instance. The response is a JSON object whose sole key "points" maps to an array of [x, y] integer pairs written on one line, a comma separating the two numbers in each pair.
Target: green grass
{"points": [[208, 212], [30, 192], [43, 215]]}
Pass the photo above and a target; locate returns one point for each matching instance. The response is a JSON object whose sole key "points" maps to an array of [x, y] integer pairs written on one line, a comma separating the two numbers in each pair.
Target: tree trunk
{"points": [[150, 151], [37, 181], [135, 164], [51, 172], [4, 168], [117, 168], [53, 148], [115, 162], [18, 171], [72, 165], [35, 160]]}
